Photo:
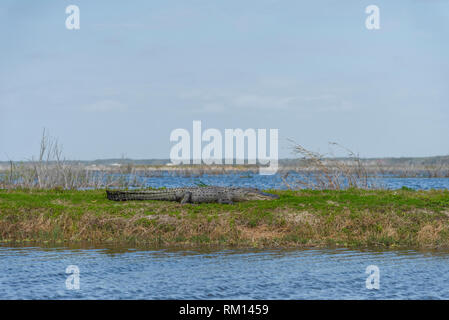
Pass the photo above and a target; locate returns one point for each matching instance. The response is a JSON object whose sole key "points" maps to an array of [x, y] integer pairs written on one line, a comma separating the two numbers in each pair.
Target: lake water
{"points": [[37, 273], [248, 179]]}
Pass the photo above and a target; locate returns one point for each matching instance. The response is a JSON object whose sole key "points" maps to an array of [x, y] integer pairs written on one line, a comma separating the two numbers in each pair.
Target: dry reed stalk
{"points": [[51, 170], [330, 173]]}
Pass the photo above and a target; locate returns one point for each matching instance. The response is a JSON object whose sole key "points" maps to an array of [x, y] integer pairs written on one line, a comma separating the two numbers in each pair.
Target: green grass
{"points": [[350, 218]]}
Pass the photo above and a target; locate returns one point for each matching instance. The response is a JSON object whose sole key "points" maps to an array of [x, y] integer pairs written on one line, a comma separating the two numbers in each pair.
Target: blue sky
{"points": [[135, 72]]}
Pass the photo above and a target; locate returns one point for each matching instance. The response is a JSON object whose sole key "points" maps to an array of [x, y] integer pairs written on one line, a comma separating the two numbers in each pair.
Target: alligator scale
{"points": [[210, 194]]}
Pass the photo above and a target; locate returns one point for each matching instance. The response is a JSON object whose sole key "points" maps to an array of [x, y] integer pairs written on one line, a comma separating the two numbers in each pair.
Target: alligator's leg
{"points": [[187, 198], [225, 200]]}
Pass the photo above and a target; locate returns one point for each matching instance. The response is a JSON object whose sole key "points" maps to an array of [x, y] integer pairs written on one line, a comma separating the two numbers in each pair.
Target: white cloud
{"points": [[218, 101]]}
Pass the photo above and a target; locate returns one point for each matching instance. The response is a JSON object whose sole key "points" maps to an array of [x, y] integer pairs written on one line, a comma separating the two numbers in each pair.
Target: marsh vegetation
{"points": [[50, 169], [332, 202], [349, 218]]}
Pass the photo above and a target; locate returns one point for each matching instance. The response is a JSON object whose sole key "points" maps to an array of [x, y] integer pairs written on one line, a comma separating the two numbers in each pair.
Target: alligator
{"points": [[209, 194]]}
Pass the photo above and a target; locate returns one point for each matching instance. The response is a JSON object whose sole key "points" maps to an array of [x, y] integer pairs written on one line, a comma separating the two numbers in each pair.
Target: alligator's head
{"points": [[246, 194]]}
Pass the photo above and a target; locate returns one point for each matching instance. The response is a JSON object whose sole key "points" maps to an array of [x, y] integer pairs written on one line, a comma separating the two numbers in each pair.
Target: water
{"points": [[36, 273], [251, 179], [248, 179]]}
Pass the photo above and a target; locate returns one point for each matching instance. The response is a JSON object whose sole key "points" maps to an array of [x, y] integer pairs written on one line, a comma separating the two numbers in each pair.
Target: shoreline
{"points": [[352, 219]]}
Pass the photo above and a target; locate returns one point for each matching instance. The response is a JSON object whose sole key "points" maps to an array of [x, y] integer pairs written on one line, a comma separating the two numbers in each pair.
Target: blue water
{"points": [[251, 179], [248, 179], [36, 273]]}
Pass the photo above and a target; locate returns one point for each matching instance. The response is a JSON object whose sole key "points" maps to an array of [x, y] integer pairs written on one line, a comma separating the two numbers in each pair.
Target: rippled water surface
{"points": [[36, 273], [249, 179]]}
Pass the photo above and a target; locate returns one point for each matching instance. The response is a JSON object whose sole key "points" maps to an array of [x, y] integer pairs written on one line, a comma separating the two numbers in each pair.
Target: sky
{"points": [[135, 71]]}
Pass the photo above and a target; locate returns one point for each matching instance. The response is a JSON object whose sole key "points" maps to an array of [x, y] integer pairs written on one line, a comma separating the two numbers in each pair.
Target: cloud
{"points": [[221, 102]]}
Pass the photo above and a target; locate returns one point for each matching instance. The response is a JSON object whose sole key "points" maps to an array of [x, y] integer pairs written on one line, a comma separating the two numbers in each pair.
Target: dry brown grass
{"points": [[429, 233], [292, 228]]}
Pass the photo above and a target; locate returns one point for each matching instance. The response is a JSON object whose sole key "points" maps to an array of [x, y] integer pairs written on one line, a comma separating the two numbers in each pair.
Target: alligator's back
{"points": [[197, 194]]}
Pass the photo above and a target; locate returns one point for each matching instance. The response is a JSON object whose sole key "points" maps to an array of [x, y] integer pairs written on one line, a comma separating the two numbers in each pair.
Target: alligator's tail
{"points": [[128, 195]]}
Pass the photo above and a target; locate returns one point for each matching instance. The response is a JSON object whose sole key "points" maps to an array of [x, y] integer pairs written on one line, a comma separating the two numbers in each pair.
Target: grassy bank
{"points": [[351, 218]]}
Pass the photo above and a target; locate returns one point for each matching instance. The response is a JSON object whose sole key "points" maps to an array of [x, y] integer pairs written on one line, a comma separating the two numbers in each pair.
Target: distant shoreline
{"points": [[403, 169], [431, 160]]}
